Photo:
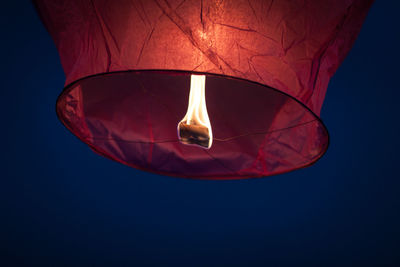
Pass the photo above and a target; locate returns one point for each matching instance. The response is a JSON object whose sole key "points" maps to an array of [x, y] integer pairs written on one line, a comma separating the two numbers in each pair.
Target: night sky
{"points": [[63, 205]]}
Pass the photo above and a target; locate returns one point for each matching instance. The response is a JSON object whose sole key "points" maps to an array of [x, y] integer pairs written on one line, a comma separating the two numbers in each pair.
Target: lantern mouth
{"points": [[131, 117]]}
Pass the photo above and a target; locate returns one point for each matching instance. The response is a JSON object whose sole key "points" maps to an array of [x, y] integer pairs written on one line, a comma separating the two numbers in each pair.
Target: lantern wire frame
{"points": [[105, 154]]}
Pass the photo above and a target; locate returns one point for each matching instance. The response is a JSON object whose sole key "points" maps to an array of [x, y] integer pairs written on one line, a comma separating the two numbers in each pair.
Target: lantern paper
{"points": [[267, 64]]}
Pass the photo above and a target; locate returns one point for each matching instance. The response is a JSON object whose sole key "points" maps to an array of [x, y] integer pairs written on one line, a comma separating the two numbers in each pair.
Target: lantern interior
{"points": [[131, 117]]}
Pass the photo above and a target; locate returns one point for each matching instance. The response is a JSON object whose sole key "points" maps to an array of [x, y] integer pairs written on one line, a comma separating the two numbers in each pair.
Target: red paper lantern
{"points": [[129, 66]]}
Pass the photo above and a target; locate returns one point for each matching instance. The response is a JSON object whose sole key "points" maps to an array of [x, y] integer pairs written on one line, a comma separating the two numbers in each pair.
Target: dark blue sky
{"points": [[61, 204]]}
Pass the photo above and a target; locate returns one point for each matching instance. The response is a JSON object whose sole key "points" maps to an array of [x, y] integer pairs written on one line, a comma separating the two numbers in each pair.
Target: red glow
{"points": [[265, 122]]}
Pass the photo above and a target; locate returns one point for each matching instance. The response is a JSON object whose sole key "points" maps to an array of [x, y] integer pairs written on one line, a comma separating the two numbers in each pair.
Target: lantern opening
{"points": [[195, 127], [131, 117]]}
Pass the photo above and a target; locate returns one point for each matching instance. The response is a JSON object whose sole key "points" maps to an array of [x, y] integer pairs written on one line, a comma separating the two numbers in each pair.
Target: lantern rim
{"points": [[68, 87]]}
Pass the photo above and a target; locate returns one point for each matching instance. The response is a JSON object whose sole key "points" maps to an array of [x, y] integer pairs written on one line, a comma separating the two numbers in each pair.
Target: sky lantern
{"points": [[211, 89]]}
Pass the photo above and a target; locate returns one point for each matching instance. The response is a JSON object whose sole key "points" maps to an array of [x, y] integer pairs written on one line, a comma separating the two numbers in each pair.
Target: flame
{"points": [[195, 127]]}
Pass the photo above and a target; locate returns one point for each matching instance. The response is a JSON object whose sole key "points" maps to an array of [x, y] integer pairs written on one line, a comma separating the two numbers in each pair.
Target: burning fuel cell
{"points": [[195, 127]]}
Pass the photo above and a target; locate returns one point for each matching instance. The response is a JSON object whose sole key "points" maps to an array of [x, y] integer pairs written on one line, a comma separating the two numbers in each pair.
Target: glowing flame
{"points": [[195, 127]]}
